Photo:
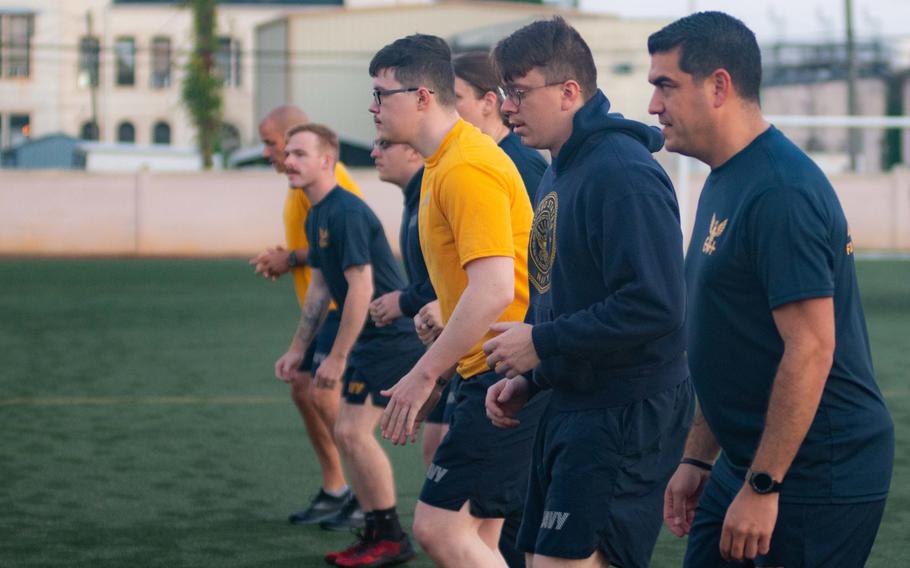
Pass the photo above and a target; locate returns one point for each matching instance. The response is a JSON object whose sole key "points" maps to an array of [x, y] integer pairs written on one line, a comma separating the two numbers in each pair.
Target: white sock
{"points": [[337, 492]]}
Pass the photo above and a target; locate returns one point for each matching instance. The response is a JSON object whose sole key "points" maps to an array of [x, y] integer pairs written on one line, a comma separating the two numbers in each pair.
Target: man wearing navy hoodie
{"points": [[605, 330]]}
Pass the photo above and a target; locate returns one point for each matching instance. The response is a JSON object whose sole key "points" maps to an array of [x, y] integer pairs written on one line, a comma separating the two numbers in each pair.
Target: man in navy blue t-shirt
{"points": [[777, 339], [352, 264]]}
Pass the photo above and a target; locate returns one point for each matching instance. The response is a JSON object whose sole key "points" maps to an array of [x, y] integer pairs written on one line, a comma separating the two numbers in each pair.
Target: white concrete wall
{"points": [[149, 213], [239, 213]]}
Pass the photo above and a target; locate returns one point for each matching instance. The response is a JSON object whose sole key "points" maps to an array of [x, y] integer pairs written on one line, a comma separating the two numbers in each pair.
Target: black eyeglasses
{"points": [[379, 93], [514, 94]]}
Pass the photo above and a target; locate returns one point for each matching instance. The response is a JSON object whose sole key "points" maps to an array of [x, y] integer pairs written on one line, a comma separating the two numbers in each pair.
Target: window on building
{"points": [[126, 133], [227, 61], [89, 131], [161, 133], [16, 32], [89, 61], [161, 62], [125, 60], [20, 126]]}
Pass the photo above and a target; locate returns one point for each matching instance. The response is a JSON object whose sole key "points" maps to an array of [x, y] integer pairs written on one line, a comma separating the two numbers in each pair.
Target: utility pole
{"points": [[853, 141]]}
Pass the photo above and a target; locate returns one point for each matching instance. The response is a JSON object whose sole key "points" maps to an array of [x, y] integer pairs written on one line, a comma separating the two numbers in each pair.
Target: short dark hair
{"points": [[418, 60], [476, 69], [552, 45], [709, 41], [328, 140]]}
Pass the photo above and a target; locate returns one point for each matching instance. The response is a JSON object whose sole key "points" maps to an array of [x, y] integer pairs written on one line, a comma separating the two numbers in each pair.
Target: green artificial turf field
{"points": [[140, 424]]}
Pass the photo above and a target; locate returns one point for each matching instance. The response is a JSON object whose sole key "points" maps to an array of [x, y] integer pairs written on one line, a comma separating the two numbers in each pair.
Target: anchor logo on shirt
{"points": [[323, 238], [714, 231]]}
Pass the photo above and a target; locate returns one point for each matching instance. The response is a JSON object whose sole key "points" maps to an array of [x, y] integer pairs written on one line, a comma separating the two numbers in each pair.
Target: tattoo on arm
{"points": [[312, 315]]}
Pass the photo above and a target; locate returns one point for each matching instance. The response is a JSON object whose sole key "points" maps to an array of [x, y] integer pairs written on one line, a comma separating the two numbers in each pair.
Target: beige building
{"points": [[319, 60], [111, 70]]}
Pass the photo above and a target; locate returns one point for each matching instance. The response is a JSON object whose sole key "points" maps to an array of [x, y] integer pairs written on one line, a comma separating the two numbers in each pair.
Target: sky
{"points": [[775, 20]]}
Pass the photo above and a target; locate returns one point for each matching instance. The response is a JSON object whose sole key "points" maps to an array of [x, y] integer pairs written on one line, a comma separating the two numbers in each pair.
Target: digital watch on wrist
{"points": [[292, 259]]}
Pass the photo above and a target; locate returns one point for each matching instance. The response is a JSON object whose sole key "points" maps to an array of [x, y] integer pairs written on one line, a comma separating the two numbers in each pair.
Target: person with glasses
{"points": [[334, 506], [352, 264], [402, 165], [474, 220], [606, 330]]}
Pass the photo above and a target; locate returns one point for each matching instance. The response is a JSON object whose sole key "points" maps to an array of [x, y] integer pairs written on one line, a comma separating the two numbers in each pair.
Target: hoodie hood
{"points": [[595, 119]]}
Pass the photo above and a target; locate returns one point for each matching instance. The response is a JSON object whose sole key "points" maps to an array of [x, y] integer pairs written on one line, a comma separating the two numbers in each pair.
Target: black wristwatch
{"points": [[762, 483], [292, 259]]}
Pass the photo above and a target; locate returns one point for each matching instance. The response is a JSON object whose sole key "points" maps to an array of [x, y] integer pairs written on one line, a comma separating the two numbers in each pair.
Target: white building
{"points": [[110, 70]]}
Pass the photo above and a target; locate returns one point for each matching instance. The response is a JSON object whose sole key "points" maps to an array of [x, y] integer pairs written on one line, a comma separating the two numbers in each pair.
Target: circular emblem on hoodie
{"points": [[543, 242]]}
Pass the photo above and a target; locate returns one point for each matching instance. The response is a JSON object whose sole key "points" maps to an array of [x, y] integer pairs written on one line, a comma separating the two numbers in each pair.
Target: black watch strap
{"points": [[292, 259], [697, 463]]}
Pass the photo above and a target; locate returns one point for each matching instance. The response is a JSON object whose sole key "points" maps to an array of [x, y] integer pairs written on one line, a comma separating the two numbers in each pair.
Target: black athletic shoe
{"points": [[349, 517], [322, 507]]}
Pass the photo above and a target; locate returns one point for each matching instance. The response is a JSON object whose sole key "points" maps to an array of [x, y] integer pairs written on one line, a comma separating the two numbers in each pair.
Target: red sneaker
{"points": [[379, 553], [354, 549]]}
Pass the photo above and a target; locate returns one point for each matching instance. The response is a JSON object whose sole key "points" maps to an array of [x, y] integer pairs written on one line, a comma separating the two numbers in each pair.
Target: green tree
{"points": [[201, 85]]}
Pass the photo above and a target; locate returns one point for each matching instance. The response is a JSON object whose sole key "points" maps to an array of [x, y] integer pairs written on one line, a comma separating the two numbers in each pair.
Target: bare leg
{"points": [[319, 408], [453, 538], [367, 465]]}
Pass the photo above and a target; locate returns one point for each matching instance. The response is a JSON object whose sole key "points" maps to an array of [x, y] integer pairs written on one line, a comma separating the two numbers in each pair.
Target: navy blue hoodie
{"points": [[419, 291], [606, 266]]}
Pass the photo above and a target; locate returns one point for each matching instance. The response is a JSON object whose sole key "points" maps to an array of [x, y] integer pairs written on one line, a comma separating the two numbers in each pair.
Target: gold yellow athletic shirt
{"points": [[473, 205], [296, 208]]}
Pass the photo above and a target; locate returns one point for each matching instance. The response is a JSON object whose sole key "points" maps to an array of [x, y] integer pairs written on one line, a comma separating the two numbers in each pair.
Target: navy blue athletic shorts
{"points": [[479, 462], [438, 416], [392, 357], [599, 476], [322, 343], [805, 536]]}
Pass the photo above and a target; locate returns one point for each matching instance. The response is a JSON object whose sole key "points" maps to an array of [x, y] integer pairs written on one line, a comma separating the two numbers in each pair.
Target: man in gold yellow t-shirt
{"points": [[334, 506], [474, 221]]}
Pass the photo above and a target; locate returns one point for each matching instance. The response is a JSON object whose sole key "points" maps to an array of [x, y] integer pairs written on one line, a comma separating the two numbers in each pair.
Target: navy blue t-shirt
{"points": [[529, 162], [419, 291], [769, 231], [343, 231]]}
